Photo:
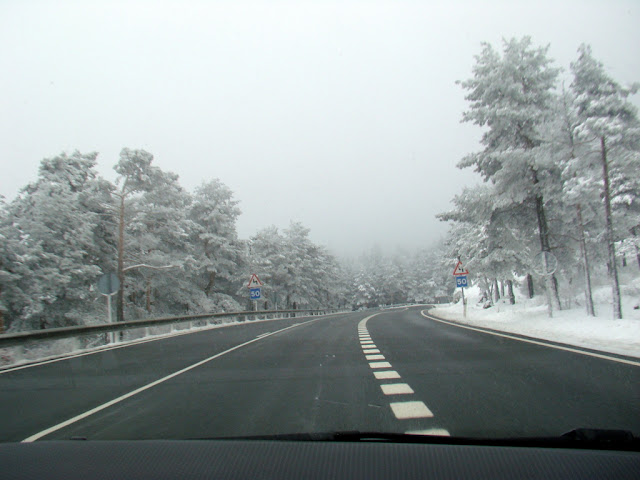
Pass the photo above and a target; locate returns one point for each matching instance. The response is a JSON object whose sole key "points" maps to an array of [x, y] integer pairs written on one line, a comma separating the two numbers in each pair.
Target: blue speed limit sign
{"points": [[254, 293], [461, 281]]}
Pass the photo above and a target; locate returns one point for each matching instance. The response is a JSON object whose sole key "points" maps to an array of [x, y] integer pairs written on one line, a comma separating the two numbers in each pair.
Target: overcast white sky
{"points": [[343, 115]]}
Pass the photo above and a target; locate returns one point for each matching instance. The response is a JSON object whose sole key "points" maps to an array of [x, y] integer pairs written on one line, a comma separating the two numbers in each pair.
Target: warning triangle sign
{"points": [[460, 270], [254, 281]]}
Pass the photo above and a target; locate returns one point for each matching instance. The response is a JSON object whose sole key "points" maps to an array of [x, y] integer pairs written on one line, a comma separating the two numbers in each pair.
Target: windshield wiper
{"points": [[587, 438]]}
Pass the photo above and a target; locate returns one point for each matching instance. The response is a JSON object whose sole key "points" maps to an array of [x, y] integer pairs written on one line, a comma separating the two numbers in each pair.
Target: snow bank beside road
{"points": [[572, 326]]}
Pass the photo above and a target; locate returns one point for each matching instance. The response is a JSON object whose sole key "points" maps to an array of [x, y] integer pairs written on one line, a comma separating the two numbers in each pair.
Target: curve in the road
{"points": [[392, 384]]}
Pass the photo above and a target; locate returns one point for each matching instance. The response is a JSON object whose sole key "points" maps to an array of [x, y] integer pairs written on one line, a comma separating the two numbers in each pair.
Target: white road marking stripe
{"points": [[363, 323], [379, 364], [364, 342], [386, 375], [441, 432], [371, 350], [405, 410], [366, 347], [544, 344], [396, 389], [374, 357], [150, 385], [263, 334], [132, 343]]}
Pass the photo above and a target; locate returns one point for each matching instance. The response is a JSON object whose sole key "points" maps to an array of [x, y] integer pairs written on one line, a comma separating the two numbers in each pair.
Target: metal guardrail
{"points": [[20, 338]]}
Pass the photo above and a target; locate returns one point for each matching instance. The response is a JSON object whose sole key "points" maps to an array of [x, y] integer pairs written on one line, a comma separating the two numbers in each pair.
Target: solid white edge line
{"points": [[150, 385], [152, 338], [544, 344]]}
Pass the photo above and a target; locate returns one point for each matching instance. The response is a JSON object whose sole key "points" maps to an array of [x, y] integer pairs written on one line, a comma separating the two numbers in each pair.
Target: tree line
{"points": [[174, 252], [559, 165]]}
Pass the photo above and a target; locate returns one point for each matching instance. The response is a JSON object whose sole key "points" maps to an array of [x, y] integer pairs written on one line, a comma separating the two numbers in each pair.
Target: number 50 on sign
{"points": [[461, 281], [255, 294]]}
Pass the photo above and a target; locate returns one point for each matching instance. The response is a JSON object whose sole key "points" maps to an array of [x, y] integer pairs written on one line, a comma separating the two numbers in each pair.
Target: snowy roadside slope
{"points": [[571, 327]]}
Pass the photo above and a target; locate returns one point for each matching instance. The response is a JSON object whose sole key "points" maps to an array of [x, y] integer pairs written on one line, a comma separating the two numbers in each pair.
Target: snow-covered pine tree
{"points": [[51, 256], [219, 253], [610, 123], [511, 94]]}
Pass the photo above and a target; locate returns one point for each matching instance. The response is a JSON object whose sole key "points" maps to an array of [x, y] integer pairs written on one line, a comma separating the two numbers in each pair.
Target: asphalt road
{"points": [[393, 371]]}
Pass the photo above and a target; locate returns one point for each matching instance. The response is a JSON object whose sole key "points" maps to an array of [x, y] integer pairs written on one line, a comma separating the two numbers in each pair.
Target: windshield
{"points": [[234, 219]]}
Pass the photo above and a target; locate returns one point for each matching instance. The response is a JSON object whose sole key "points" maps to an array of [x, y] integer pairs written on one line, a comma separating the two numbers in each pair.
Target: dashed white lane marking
{"points": [[404, 410], [544, 344], [379, 364], [374, 357], [263, 335], [152, 384], [441, 432], [396, 389]]}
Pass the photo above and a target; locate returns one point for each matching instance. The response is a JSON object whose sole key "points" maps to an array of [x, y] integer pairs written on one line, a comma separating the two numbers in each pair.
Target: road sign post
{"points": [[255, 293], [545, 264], [108, 285], [461, 281]]}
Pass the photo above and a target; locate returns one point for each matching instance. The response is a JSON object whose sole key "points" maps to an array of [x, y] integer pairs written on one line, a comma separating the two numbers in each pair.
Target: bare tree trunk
{"points": [[585, 264], [490, 290], [633, 232], [496, 290], [502, 288], [613, 269], [120, 296], [512, 297], [543, 232], [148, 295], [210, 284], [530, 285]]}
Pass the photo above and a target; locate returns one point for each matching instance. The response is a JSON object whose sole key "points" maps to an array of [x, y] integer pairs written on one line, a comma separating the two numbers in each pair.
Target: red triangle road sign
{"points": [[254, 281], [460, 270]]}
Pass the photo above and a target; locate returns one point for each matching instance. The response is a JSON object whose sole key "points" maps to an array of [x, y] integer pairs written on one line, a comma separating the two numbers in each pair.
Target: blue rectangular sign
{"points": [[461, 281], [255, 294]]}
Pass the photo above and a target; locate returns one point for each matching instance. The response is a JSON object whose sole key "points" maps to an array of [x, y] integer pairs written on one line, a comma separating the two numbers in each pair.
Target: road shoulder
{"points": [[613, 350]]}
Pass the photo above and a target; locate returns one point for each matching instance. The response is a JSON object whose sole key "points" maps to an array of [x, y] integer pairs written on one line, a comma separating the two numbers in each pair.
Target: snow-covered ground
{"points": [[572, 326]]}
